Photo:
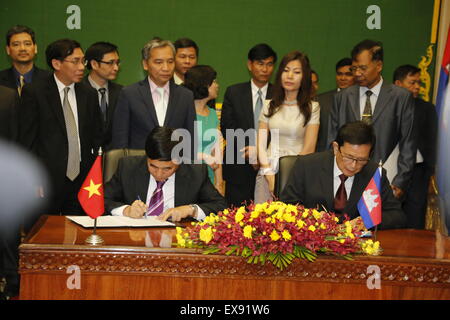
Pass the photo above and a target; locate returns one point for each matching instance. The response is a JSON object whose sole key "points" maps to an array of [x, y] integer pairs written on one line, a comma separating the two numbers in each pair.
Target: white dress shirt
{"points": [[373, 98], [160, 109]]}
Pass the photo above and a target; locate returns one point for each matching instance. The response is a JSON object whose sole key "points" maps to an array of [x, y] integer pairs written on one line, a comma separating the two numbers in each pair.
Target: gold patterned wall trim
{"points": [[425, 77]]}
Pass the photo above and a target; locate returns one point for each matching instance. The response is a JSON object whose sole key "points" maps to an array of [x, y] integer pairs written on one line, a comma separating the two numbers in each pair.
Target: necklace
{"points": [[290, 103]]}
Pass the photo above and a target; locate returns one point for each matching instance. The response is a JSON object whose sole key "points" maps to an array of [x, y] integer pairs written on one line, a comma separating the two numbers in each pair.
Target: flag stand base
{"points": [[94, 240]]}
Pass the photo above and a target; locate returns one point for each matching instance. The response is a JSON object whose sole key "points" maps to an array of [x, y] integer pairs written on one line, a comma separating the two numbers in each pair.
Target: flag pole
{"points": [[380, 165], [94, 239]]}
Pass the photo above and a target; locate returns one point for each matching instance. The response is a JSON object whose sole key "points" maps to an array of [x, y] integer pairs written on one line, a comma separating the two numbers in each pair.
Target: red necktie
{"points": [[340, 199]]}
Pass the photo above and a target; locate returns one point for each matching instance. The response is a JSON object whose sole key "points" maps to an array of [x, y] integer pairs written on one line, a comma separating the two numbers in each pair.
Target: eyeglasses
{"points": [[78, 61], [349, 159], [110, 63], [362, 68]]}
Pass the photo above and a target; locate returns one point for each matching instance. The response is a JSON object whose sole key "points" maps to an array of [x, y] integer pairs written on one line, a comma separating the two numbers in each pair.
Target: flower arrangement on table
{"points": [[276, 232]]}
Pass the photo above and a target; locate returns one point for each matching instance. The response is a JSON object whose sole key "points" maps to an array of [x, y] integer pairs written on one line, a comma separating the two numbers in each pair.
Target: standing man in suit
{"points": [[241, 107], [21, 47], [426, 124], [186, 56], [336, 179], [154, 101], [104, 63], [159, 185], [60, 122], [387, 107], [344, 79]]}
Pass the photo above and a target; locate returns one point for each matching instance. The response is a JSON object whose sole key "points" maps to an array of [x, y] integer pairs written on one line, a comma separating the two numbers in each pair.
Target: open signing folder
{"points": [[117, 221]]}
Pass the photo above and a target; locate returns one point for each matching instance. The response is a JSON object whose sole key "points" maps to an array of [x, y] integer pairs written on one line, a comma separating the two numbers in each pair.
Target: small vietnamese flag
{"points": [[90, 195]]}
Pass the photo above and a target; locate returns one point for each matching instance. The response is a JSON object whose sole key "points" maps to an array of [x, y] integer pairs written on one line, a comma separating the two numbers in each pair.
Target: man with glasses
{"points": [[388, 108], [21, 47], [335, 180], [60, 122], [104, 64]]}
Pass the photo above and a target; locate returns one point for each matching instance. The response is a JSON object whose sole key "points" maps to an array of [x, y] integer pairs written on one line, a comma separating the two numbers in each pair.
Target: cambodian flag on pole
{"points": [[443, 156], [369, 206]]}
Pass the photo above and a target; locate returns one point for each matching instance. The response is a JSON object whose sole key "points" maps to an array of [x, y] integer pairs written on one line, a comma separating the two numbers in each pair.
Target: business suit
{"points": [[426, 126], [135, 115], [311, 184], [392, 120], [8, 78], [192, 186], [237, 113], [9, 102], [113, 96], [326, 102], [43, 131]]}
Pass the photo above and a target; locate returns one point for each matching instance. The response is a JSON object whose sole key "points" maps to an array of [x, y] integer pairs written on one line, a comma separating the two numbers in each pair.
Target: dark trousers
{"points": [[9, 258], [415, 203], [237, 194]]}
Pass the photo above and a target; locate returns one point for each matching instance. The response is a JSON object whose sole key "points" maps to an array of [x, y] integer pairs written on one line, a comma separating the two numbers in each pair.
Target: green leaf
{"points": [[233, 249]]}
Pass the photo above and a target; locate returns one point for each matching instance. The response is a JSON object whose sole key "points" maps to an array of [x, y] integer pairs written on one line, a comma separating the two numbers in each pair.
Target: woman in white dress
{"points": [[290, 120]]}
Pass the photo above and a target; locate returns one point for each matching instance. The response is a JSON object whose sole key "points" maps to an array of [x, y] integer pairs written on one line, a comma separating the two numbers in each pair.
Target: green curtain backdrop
{"points": [[225, 30]]}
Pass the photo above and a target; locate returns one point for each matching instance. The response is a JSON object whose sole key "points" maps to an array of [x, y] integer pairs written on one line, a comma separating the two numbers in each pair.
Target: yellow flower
{"points": [[211, 220], [291, 208], [286, 235], [226, 212], [274, 236], [206, 235], [317, 215], [300, 224], [336, 219], [248, 231], [255, 214], [342, 240], [181, 241], [241, 223], [305, 213], [288, 217], [322, 226], [239, 216], [312, 228], [229, 226], [179, 230]]}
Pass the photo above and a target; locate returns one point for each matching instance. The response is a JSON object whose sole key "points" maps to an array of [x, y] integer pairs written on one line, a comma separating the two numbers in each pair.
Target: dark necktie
{"points": [[156, 205], [340, 199], [103, 104], [367, 113]]}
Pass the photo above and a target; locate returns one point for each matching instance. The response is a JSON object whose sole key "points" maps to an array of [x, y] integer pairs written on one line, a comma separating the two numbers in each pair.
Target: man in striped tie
{"points": [[160, 185]]}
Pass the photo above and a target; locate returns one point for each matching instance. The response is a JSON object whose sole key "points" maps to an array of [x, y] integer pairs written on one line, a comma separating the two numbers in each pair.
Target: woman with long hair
{"points": [[289, 123], [201, 80]]}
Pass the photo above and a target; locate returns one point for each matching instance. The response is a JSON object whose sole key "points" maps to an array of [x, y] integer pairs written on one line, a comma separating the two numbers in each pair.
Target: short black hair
{"points": [[262, 51], [186, 43], [405, 70], [357, 132], [97, 50], [198, 79], [19, 29], [375, 48], [343, 62], [159, 144], [60, 49]]}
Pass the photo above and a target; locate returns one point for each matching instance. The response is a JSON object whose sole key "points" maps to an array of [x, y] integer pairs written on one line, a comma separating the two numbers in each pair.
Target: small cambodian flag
{"points": [[369, 206]]}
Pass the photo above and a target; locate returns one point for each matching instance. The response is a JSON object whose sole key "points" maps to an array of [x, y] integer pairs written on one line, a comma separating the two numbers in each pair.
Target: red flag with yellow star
{"points": [[91, 192]]}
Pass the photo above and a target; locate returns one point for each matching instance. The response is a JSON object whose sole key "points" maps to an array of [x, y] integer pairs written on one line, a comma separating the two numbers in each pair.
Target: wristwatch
{"points": [[195, 208]]}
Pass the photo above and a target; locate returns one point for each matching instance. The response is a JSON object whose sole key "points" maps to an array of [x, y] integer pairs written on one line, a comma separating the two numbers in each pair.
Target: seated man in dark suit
{"points": [[22, 49], [426, 126], [158, 185], [154, 101], [336, 179]]}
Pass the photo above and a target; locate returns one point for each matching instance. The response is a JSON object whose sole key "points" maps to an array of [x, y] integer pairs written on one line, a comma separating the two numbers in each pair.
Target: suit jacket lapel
{"points": [[354, 101], [382, 101], [143, 180], [54, 101], [173, 101], [326, 179], [144, 90], [81, 108], [247, 103]]}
